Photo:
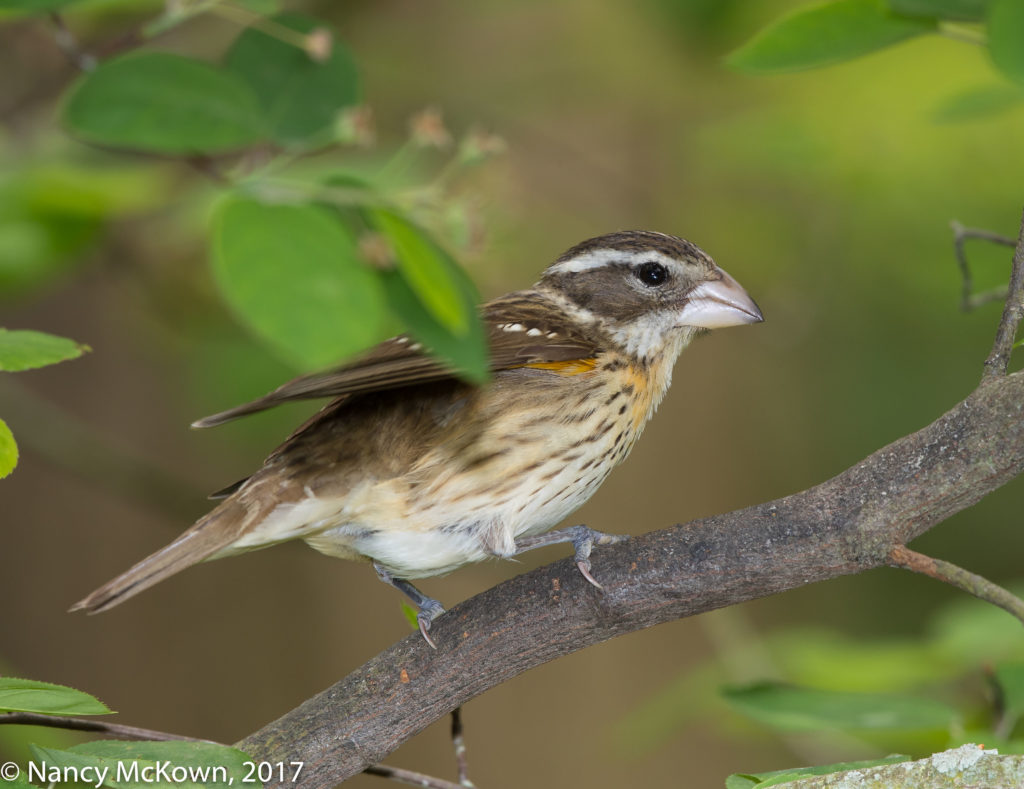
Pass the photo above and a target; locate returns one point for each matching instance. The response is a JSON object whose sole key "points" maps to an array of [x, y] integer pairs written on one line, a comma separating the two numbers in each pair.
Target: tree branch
{"points": [[846, 525], [966, 766], [998, 361]]}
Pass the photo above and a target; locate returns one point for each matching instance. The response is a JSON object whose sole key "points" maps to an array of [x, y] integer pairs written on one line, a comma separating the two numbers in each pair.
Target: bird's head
{"points": [[650, 292]]}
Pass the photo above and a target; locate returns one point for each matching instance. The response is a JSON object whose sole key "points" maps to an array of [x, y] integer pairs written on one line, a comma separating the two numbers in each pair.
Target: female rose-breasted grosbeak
{"points": [[418, 472]]}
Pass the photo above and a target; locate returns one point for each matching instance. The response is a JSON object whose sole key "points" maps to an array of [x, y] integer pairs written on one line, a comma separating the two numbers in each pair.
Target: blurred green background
{"points": [[828, 194]]}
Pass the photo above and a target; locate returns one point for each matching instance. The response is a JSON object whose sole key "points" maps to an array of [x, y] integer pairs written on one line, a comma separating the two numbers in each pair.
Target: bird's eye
{"points": [[651, 274]]}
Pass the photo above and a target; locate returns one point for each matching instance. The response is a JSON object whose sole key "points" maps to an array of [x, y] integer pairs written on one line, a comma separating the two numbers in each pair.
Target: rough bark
{"points": [[966, 767], [845, 525]]}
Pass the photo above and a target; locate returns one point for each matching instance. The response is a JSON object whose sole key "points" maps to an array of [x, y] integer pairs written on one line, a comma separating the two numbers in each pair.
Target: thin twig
{"points": [[460, 749], [69, 45], [84, 724], [949, 573], [968, 300], [999, 359], [410, 777]]}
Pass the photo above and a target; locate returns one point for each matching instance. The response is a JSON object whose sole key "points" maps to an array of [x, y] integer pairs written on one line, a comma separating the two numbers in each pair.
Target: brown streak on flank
{"points": [[529, 468], [481, 460], [582, 417], [551, 475], [605, 427]]}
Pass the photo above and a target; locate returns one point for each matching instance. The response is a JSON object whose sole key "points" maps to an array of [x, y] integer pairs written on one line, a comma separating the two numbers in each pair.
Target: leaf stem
{"points": [[982, 588]]}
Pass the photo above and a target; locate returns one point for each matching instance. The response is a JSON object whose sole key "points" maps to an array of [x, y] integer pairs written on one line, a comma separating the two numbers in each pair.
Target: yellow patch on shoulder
{"points": [[568, 367]]}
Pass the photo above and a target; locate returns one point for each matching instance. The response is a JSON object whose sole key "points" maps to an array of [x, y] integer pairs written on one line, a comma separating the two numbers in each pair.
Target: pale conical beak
{"points": [[718, 303]]}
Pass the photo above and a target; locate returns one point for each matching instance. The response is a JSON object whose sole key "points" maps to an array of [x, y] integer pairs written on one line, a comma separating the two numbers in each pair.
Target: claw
{"points": [[430, 610], [424, 624], [583, 540], [584, 568]]}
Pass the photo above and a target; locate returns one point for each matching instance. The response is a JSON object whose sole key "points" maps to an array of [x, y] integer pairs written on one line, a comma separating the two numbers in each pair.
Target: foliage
{"points": [[28, 695], [114, 763], [821, 35], [27, 350], [836, 31], [319, 266], [317, 165], [963, 682]]}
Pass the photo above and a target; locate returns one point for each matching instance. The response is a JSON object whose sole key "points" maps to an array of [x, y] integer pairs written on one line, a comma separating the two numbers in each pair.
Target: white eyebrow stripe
{"points": [[599, 258]]}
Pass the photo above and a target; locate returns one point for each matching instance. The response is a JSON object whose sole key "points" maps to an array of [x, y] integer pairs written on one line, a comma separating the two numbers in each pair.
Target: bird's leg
{"points": [[429, 608], [583, 539]]}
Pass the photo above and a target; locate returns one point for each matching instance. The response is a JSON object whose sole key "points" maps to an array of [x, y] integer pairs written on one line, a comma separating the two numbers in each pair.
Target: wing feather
{"points": [[523, 328]]}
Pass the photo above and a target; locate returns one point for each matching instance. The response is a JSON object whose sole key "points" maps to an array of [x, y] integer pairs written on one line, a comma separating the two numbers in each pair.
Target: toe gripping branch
{"points": [[429, 609], [583, 540]]}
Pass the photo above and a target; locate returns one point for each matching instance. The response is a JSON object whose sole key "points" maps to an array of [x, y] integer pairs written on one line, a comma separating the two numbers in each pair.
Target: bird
{"points": [[412, 469]]}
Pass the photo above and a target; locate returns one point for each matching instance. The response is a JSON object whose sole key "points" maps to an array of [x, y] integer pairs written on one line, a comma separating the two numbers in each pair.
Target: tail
{"points": [[210, 534]]}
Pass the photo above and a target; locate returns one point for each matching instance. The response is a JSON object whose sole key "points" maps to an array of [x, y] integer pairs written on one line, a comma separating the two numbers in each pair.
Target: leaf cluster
{"points": [[317, 263], [837, 31]]}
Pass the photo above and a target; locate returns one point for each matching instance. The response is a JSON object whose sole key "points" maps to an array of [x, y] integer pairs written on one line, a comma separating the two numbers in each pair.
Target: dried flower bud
{"points": [[427, 129], [376, 250], [319, 43], [480, 145], [354, 126]]}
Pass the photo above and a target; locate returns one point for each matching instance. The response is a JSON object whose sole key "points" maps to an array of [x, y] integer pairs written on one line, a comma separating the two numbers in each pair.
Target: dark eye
{"points": [[651, 274]]}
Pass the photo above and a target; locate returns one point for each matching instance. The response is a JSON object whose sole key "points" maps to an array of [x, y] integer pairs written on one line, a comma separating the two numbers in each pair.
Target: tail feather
{"points": [[212, 533]]}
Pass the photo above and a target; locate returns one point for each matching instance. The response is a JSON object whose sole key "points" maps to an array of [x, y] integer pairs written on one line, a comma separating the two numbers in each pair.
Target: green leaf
{"points": [[1006, 37], [429, 270], [410, 613], [301, 97], [26, 695], [467, 355], [18, 782], [33, 6], [152, 765], [828, 659], [977, 103], [8, 450], [778, 777], [293, 274], [163, 103], [824, 34], [27, 350], [963, 10], [808, 709]]}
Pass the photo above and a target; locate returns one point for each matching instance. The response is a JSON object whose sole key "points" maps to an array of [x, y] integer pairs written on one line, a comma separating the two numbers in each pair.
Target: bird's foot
{"points": [[429, 609], [583, 540]]}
